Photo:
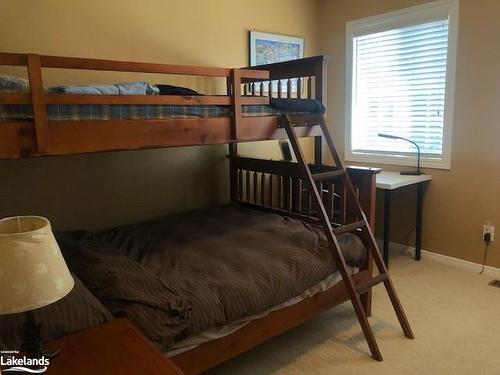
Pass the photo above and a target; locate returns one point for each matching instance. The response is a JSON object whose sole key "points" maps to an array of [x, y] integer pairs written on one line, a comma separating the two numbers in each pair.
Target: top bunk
{"points": [[36, 121]]}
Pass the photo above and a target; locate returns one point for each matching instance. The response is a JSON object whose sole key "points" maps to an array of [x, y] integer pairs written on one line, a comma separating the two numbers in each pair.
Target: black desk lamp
{"points": [[406, 173]]}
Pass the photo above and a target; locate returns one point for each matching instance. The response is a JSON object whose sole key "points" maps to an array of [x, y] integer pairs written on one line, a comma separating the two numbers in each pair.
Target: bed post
{"points": [[233, 172], [39, 108], [365, 181], [233, 84], [320, 95]]}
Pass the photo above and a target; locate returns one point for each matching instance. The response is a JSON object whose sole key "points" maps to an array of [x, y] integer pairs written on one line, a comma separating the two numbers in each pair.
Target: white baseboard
{"points": [[473, 267]]}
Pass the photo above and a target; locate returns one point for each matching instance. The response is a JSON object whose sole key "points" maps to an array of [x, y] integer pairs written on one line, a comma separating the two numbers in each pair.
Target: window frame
{"points": [[415, 15]]}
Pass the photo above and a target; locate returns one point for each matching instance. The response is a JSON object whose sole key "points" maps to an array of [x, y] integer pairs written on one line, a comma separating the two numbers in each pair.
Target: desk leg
{"points": [[387, 225], [418, 225]]}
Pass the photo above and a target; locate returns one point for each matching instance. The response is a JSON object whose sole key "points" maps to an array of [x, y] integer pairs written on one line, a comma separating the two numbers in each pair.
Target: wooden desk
{"points": [[116, 348], [390, 181]]}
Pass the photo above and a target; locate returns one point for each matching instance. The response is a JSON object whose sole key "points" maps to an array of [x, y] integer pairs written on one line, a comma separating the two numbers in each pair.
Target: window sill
{"points": [[409, 161]]}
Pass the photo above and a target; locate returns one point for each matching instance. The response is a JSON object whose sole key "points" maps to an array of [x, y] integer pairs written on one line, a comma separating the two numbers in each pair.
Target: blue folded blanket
{"points": [[130, 88]]}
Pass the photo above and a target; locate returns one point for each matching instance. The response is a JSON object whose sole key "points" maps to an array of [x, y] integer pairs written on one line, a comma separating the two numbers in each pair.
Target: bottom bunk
{"points": [[207, 285], [179, 276]]}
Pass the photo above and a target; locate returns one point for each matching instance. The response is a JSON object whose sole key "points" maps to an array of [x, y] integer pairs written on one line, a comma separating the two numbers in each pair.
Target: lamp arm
{"points": [[418, 152], [407, 140], [416, 145]]}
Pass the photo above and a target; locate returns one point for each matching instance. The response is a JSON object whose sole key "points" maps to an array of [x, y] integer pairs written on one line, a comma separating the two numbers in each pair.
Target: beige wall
{"points": [[92, 191], [95, 191], [458, 201]]}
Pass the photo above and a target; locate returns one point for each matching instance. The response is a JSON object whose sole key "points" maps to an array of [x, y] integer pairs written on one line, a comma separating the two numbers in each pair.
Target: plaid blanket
{"points": [[67, 112]]}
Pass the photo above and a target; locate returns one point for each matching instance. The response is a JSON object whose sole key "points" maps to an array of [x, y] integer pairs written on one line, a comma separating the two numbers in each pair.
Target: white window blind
{"points": [[399, 79]]}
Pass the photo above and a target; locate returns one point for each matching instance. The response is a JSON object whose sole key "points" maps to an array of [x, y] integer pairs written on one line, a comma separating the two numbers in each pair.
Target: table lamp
{"points": [[406, 173], [33, 274]]}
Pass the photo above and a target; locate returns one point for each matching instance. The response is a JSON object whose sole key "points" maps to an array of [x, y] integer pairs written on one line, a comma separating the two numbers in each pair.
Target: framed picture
{"points": [[270, 48]]}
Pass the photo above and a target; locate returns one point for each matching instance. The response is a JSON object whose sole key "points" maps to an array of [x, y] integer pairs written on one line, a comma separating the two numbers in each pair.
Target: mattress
{"points": [[81, 112], [67, 112], [181, 275]]}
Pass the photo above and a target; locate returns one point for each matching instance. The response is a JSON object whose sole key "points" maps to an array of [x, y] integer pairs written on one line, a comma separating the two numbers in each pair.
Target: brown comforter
{"points": [[180, 275]]}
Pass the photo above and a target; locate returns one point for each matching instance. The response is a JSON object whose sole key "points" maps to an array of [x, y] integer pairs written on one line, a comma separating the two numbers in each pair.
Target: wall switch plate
{"points": [[488, 228]]}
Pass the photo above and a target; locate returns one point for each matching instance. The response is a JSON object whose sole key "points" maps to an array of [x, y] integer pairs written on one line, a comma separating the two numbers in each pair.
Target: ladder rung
{"points": [[328, 175], [363, 287], [349, 227]]}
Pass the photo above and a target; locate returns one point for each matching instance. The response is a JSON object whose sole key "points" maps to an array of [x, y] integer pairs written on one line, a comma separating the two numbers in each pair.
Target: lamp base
{"points": [[411, 173], [32, 343]]}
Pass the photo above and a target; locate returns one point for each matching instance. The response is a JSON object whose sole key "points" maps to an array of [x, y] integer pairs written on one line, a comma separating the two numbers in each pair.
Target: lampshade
{"points": [[33, 272]]}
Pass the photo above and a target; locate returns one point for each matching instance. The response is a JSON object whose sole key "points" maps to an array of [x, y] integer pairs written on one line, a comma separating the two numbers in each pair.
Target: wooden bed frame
{"points": [[43, 137], [275, 186], [285, 198]]}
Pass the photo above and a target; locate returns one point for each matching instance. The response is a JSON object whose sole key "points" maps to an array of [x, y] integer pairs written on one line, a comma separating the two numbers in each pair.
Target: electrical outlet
{"points": [[488, 228]]}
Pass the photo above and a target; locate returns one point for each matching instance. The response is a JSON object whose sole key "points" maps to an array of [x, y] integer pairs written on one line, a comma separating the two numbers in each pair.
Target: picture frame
{"points": [[266, 48]]}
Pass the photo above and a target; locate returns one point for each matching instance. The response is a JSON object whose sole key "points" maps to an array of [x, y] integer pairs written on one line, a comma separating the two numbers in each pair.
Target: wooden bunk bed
{"points": [[287, 188], [43, 137]]}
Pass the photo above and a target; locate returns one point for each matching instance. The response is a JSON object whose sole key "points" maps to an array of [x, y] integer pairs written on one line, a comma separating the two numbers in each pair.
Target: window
{"points": [[400, 73]]}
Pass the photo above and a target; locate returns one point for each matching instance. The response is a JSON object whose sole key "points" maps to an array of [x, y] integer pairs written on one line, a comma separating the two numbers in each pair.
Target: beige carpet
{"points": [[454, 314]]}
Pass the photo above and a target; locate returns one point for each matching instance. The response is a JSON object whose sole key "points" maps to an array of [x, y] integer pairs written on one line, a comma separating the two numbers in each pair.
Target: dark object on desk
{"points": [[286, 152], [406, 173]]}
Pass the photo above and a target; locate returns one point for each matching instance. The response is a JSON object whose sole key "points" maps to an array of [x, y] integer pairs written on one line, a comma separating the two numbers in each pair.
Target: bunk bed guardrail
{"points": [[41, 136], [301, 78], [278, 186], [38, 98]]}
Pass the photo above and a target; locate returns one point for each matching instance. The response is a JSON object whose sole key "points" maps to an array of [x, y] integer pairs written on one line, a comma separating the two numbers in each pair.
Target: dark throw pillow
{"points": [[176, 90]]}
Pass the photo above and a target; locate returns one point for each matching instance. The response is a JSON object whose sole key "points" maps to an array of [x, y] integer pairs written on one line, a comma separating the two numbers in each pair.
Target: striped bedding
{"points": [[67, 112], [189, 272], [76, 312]]}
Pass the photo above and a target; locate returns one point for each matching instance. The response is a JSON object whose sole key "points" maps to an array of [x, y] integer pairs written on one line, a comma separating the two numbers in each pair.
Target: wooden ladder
{"points": [[360, 225]]}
